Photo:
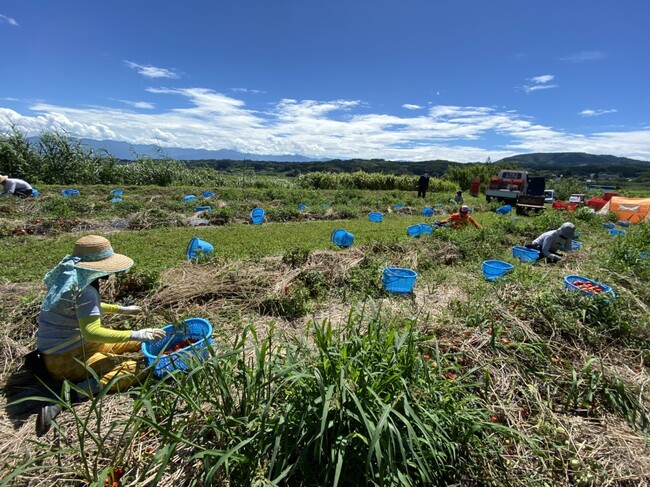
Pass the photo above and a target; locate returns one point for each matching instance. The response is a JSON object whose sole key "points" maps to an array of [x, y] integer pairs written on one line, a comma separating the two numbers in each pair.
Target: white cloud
{"points": [[246, 90], [144, 105], [542, 78], [7, 20], [152, 71], [411, 106], [583, 56], [539, 83], [596, 113], [207, 119]]}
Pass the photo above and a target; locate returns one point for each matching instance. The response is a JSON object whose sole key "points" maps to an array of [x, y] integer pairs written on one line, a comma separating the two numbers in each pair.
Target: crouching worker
{"points": [[460, 219], [15, 186], [550, 243], [71, 338]]}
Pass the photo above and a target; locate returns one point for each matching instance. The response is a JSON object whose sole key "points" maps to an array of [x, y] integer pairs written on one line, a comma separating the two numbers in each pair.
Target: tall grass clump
{"points": [[361, 180], [355, 405]]}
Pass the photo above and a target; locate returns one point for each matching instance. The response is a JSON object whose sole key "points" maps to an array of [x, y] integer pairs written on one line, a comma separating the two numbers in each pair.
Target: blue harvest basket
{"points": [[427, 212], [117, 192], [623, 223], [35, 192], [608, 225], [576, 245], [426, 229], [70, 193], [208, 194], [525, 254], [193, 328], [116, 199], [375, 216], [399, 280], [198, 248], [189, 198], [398, 206], [617, 232], [504, 210], [257, 216], [204, 208], [302, 207], [493, 269], [414, 230], [342, 238], [570, 280]]}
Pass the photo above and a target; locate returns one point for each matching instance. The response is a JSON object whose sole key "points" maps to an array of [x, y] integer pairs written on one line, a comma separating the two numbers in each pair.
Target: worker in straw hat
{"points": [[459, 219], [71, 338], [15, 186], [550, 243]]}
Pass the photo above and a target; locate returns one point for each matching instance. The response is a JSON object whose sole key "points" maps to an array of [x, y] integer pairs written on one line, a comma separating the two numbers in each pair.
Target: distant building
{"points": [[608, 176]]}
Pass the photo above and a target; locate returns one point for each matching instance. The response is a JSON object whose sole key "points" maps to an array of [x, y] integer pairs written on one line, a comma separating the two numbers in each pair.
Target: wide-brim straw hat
{"points": [[96, 254], [3, 178]]}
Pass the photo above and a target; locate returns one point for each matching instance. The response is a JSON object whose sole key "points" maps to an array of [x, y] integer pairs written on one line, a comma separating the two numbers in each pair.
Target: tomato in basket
{"points": [[180, 345]]}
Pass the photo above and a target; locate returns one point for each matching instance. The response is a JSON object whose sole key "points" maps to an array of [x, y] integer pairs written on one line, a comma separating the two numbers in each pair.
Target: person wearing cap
{"points": [[15, 186], [459, 219], [71, 338], [550, 243]]}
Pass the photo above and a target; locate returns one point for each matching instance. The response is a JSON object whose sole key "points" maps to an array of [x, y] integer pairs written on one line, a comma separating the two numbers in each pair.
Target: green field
{"points": [[318, 375]]}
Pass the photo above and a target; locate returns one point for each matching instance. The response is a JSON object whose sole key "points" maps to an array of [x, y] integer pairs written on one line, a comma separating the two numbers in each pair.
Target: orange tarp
{"points": [[634, 210]]}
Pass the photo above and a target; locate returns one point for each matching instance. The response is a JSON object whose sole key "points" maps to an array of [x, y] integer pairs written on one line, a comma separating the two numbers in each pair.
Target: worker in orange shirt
{"points": [[460, 219]]}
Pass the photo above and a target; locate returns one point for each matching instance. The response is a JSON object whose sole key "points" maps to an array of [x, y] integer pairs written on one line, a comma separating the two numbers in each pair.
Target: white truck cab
{"points": [[549, 196]]}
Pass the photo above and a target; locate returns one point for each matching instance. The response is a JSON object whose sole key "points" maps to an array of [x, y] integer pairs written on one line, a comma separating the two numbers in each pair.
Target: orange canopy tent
{"points": [[634, 210]]}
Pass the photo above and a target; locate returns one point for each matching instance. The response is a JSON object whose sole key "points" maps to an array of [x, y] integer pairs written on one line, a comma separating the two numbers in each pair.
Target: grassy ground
{"points": [[321, 377]]}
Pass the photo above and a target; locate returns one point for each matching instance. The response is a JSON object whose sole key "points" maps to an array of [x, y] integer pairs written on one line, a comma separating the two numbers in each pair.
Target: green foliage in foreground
{"points": [[357, 406]]}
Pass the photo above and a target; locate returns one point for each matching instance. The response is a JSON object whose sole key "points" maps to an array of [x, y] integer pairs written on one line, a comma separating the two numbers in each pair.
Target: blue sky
{"points": [[461, 80]]}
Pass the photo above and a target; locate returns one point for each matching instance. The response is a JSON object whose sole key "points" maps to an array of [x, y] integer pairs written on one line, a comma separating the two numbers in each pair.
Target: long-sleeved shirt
{"points": [[551, 242], [76, 318], [459, 220], [13, 184]]}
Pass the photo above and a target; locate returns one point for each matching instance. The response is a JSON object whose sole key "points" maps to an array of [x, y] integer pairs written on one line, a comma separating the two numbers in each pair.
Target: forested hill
{"points": [[567, 164], [579, 164]]}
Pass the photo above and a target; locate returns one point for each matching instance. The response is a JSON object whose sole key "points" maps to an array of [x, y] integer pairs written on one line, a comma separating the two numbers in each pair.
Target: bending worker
{"points": [[15, 186], [550, 243], [71, 338], [460, 219]]}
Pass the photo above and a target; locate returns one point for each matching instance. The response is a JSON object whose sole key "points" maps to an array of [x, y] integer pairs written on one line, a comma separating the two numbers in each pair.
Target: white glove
{"points": [[145, 335], [130, 310]]}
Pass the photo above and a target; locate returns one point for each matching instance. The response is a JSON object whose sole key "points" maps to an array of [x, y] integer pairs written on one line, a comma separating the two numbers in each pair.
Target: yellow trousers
{"points": [[107, 360]]}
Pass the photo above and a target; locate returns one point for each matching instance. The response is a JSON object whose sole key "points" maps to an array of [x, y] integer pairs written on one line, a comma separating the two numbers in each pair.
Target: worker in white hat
{"points": [[15, 186], [550, 243]]}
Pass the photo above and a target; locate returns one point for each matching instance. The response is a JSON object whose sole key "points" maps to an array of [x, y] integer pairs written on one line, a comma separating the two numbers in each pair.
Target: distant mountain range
{"points": [[566, 163], [127, 151]]}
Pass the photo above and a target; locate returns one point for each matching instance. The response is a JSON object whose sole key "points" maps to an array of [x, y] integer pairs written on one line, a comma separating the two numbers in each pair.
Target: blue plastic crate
{"points": [[609, 225], [399, 280], [493, 269], [570, 280], [192, 328], [413, 230], [525, 254], [617, 232], [70, 192], [342, 238], [257, 216], [375, 216], [189, 198], [427, 212], [426, 229]]}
